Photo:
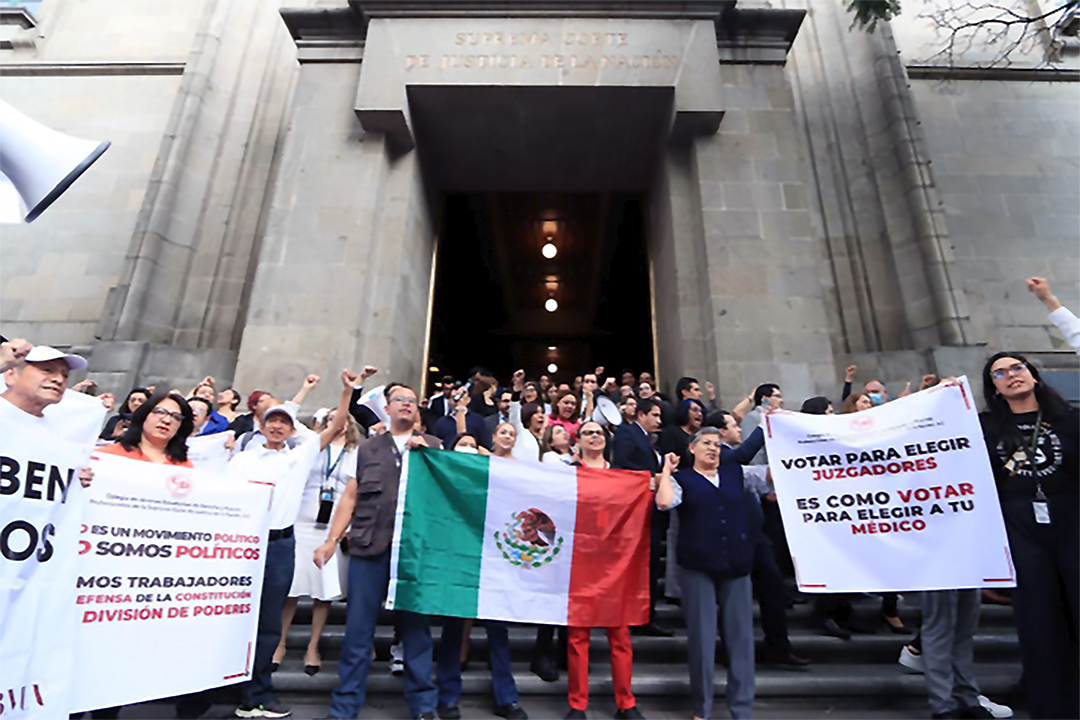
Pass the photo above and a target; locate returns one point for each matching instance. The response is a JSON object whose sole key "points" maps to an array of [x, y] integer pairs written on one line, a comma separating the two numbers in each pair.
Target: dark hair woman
{"points": [[819, 405], [593, 443], [120, 421], [564, 411], [158, 432], [1033, 438]]}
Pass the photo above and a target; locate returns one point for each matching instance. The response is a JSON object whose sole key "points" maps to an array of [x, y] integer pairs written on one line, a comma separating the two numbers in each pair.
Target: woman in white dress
{"points": [[333, 470]]}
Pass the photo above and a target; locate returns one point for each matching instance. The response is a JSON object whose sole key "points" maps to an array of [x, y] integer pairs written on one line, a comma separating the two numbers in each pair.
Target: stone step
{"points": [[833, 680], [991, 644], [802, 615]]}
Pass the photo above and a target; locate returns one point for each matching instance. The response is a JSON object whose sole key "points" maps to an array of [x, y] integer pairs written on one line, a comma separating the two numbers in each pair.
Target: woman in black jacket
{"points": [[1032, 437], [113, 428]]}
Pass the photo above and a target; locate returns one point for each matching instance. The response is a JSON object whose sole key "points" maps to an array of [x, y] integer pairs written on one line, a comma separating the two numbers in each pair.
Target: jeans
{"points": [[449, 659], [277, 579], [368, 579]]}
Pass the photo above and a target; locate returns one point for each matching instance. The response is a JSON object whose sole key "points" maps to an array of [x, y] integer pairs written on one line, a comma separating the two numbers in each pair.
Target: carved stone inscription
{"points": [[568, 50]]}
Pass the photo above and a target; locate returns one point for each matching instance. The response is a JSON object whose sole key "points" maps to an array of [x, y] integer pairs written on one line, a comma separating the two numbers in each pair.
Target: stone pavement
{"points": [[550, 708]]}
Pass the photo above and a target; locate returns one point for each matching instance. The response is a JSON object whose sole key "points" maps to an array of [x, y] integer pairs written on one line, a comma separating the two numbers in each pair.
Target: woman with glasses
{"points": [[1033, 438], [450, 648], [592, 444], [158, 432]]}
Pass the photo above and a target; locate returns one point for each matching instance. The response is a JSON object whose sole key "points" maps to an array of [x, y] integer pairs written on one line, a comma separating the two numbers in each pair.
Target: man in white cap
{"points": [[286, 466], [36, 377]]}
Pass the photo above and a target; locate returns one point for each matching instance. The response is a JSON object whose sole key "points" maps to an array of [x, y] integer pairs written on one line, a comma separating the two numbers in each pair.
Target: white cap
{"points": [[283, 409], [44, 353]]}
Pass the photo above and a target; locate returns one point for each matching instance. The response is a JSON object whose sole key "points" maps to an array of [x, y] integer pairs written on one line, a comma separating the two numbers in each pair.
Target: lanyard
{"points": [[331, 468], [1030, 453]]}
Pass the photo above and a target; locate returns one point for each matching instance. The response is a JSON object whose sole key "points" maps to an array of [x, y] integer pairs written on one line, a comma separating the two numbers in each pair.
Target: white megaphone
{"points": [[38, 164]]}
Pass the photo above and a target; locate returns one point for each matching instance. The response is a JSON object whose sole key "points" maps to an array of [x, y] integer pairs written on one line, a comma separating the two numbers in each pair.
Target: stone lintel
{"points": [[636, 9], [757, 35]]}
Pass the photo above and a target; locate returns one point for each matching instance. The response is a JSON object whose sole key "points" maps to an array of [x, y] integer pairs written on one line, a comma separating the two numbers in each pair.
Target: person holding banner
{"points": [[158, 432], [448, 654], [1033, 438], [715, 551], [286, 468], [593, 442], [36, 377], [369, 505]]}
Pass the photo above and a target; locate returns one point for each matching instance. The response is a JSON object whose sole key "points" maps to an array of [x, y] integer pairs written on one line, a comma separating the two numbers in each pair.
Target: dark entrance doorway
{"points": [[494, 280]]}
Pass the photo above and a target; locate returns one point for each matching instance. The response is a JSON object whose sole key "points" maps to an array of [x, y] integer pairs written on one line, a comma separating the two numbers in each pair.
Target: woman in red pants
{"points": [[592, 440]]}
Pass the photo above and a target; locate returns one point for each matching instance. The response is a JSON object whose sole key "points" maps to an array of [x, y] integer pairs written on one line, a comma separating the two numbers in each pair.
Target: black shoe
{"points": [[652, 630], [977, 711], [830, 627], [575, 715], [312, 669], [630, 713], [544, 668], [781, 658], [513, 711], [274, 667], [902, 630], [449, 712]]}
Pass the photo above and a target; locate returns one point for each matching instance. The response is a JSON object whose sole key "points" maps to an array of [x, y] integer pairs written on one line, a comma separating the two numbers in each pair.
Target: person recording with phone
{"points": [[462, 419]]}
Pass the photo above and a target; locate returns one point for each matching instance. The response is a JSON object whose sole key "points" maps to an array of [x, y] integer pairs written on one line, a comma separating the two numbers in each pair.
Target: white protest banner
{"points": [[898, 497], [169, 581], [40, 514], [208, 452]]}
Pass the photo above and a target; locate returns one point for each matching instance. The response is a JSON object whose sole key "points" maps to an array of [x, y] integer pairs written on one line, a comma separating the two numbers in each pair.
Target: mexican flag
{"points": [[478, 536]]}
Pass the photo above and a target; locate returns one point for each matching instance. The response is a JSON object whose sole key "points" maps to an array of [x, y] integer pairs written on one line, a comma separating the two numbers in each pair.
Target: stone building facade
{"points": [[270, 206]]}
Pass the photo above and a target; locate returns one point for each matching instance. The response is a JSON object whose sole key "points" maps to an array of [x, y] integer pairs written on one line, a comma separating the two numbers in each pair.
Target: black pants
{"points": [[1046, 602], [773, 525], [660, 522], [769, 587]]}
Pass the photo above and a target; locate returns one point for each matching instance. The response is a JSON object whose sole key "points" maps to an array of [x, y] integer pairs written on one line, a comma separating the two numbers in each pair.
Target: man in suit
{"points": [[369, 505], [491, 422], [447, 428], [633, 448], [439, 403]]}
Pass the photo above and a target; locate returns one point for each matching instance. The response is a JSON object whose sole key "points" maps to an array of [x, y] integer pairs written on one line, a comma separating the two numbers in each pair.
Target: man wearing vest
{"points": [[366, 512], [715, 553]]}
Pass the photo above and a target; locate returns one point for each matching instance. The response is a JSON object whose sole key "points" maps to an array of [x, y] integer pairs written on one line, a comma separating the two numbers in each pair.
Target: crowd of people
{"points": [[336, 492]]}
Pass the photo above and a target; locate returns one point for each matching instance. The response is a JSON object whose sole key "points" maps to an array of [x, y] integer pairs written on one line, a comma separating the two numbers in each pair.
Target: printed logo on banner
{"points": [[861, 423], [179, 485]]}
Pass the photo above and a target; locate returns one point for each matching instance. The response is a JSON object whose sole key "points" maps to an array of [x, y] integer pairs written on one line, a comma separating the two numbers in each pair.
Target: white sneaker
{"points": [[913, 662], [998, 711], [397, 659]]}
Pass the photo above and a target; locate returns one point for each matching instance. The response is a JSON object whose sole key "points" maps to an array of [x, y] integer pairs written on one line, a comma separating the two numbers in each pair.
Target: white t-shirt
{"points": [[400, 441], [287, 470], [553, 457], [76, 418], [340, 472]]}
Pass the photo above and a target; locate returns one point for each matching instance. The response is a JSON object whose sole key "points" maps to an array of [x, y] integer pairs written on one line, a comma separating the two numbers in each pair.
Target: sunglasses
{"points": [[1002, 373], [590, 433]]}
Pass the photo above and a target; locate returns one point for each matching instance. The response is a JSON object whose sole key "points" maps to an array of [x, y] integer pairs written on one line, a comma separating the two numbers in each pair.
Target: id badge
{"points": [[1042, 512]]}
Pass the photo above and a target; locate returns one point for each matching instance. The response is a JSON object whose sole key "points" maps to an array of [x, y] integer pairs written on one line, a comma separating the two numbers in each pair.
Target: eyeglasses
{"points": [[589, 433], [162, 413], [1002, 373], [403, 399]]}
